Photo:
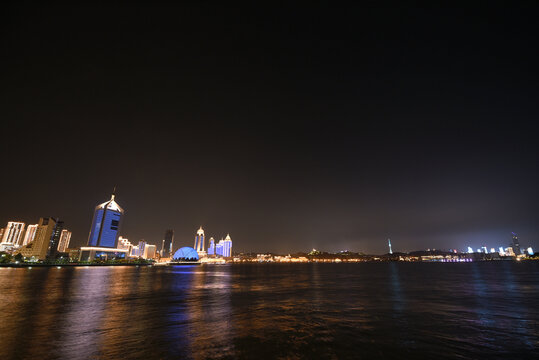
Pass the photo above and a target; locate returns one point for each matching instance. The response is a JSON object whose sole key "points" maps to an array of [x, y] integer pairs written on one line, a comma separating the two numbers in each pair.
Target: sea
{"points": [[386, 310]]}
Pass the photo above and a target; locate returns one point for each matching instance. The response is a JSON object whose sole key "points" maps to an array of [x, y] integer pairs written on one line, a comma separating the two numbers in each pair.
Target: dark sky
{"points": [[289, 127]]}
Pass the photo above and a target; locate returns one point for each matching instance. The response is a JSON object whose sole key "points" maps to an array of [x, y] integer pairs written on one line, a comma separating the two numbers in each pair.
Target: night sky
{"points": [[289, 127]]}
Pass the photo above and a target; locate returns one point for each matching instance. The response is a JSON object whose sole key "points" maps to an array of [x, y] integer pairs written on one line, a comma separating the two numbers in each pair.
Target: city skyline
{"points": [[331, 128]]}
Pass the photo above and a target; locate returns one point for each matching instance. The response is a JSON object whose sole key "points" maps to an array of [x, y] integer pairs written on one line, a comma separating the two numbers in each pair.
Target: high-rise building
{"points": [[516, 244], [149, 251], [211, 248], [199, 243], [141, 245], [12, 237], [125, 244], [168, 244], [224, 247], [390, 250], [106, 224], [29, 235], [55, 239], [45, 240], [227, 246], [65, 237]]}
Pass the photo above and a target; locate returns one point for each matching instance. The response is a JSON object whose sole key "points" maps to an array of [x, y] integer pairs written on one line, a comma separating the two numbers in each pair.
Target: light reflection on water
{"points": [[388, 310]]}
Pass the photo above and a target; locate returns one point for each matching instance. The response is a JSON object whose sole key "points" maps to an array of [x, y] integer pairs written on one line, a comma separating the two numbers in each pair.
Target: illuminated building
{"points": [[149, 251], [227, 246], [509, 251], [29, 235], [185, 253], [45, 240], [211, 248], [125, 244], [65, 237], [224, 247], [501, 251], [530, 251], [106, 224], [390, 250], [470, 250], [12, 236], [199, 242], [168, 243], [90, 253], [516, 244]]}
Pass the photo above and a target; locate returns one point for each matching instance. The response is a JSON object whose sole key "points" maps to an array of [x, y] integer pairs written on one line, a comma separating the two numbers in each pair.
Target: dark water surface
{"points": [[368, 310]]}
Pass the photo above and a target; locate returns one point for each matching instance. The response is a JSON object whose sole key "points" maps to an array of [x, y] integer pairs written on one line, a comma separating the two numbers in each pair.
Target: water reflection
{"points": [[271, 311]]}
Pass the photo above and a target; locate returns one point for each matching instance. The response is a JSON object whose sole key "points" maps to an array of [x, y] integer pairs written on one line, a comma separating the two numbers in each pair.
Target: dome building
{"points": [[185, 253]]}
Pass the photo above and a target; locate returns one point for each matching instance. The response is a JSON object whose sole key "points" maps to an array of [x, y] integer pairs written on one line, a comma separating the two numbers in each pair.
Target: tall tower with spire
{"points": [[106, 224], [390, 250], [199, 242]]}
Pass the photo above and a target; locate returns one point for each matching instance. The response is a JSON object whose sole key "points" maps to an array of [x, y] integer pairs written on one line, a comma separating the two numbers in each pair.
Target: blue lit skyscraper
{"points": [[106, 224], [211, 248]]}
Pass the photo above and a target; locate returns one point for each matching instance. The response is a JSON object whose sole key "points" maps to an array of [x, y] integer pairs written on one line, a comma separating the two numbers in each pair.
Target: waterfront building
{"points": [[185, 253], [227, 246], [530, 251], [168, 243], [501, 251], [106, 224], [45, 240], [65, 237], [509, 251], [470, 250], [12, 237], [219, 248], [90, 253], [199, 243], [149, 251], [141, 246], [124, 243], [29, 235], [516, 244], [211, 248]]}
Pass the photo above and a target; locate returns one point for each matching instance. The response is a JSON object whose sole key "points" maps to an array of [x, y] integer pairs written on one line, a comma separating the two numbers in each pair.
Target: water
{"points": [[368, 310]]}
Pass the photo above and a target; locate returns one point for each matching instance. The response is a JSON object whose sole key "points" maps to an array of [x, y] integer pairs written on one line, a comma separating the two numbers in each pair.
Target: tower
{"points": [[199, 242], [211, 248], [106, 224], [168, 243], [516, 244], [390, 251]]}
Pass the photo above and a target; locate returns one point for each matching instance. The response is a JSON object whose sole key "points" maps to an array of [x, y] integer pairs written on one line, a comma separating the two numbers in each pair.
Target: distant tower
{"points": [[106, 224], [227, 246], [199, 242], [516, 244], [211, 248], [390, 251], [168, 243]]}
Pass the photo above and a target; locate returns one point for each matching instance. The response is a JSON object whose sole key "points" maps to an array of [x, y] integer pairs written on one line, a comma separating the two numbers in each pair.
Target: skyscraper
{"points": [[12, 236], [516, 244], [390, 250], [55, 239], [168, 243], [106, 224], [199, 242], [227, 246], [29, 235], [224, 247], [211, 248], [65, 237], [46, 237]]}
